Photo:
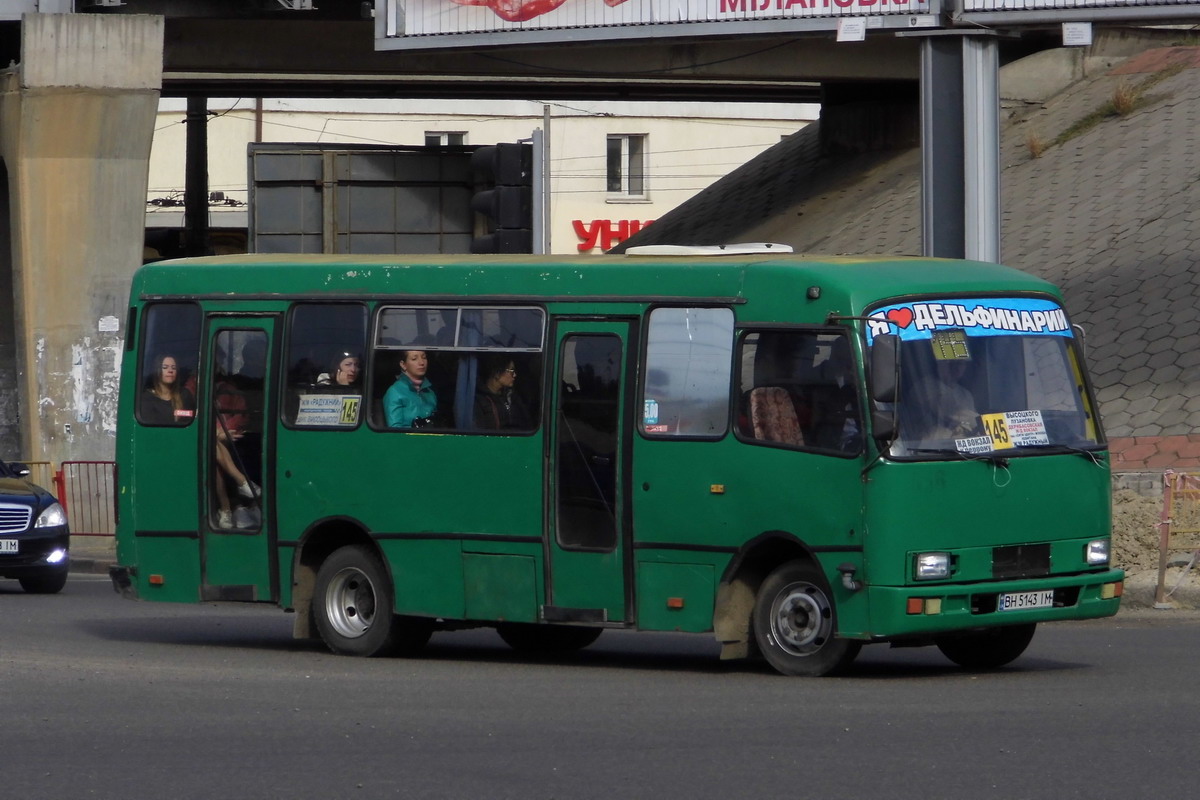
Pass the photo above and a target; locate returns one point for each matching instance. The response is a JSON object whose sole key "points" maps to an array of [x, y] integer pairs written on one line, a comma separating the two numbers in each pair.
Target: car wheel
{"points": [[50, 583], [794, 623]]}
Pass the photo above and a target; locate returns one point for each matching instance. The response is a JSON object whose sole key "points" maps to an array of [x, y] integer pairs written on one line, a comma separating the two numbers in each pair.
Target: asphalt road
{"points": [[104, 697]]}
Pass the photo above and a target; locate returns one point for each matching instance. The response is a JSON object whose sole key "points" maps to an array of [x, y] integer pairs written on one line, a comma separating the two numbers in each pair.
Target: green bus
{"points": [[798, 455]]}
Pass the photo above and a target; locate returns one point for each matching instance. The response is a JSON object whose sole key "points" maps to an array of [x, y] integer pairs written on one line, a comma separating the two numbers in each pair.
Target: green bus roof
{"points": [[772, 284]]}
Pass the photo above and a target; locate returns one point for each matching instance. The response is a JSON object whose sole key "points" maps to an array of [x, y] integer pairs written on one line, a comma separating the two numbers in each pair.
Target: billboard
{"points": [[561, 20], [460, 23], [975, 12]]}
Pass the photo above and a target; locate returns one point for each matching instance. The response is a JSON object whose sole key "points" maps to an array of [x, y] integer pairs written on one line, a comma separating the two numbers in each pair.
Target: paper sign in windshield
{"points": [[1016, 429], [974, 444], [329, 410]]}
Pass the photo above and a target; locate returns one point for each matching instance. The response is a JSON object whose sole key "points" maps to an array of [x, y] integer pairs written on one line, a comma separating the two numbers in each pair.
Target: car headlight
{"points": [[1096, 552], [931, 566], [52, 517]]}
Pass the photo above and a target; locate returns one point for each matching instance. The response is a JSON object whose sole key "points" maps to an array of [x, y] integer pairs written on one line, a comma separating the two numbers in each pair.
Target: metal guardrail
{"points": [[41, 472], [1178, 529], [87, 491]]}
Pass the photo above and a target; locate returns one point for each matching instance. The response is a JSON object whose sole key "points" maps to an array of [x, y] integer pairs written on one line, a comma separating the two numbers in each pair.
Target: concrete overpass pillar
{"points": [[76, 121]]}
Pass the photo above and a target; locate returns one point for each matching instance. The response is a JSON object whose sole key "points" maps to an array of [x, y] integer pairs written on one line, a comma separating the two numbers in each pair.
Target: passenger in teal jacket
{"points": [[411, 397]]}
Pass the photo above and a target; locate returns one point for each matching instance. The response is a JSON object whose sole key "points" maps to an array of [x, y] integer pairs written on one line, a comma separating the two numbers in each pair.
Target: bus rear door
{"points": [[237, 539], [587, 540]]}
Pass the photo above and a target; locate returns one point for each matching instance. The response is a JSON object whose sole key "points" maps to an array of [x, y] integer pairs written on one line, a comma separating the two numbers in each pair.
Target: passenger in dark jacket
{"points": [[497, 406]]}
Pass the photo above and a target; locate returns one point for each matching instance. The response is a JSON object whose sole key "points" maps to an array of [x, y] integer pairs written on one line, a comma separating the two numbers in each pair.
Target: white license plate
{"points": [[9, 546], [1019, 601]]}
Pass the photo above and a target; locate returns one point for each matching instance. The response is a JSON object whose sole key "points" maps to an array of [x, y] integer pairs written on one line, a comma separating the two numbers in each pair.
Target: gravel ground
{"points": [[1136, 550]]}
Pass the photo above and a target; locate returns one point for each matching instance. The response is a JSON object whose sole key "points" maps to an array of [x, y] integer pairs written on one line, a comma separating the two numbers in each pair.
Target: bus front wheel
{"points": [[794, 623], [989, 648], [353, 607]]}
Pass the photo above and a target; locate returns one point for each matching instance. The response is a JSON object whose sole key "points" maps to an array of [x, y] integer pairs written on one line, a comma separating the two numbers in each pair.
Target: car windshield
{"points": [[981, 376]]}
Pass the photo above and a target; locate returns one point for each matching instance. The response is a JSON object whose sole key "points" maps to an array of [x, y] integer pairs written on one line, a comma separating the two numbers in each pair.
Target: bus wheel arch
{"points": [[775, 600], [734, 606], [319, 542], [795, 622]]}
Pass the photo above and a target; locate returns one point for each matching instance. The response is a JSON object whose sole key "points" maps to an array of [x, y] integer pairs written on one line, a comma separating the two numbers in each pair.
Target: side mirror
{"points": [[885, 361], [883, 424], [19, 469]]}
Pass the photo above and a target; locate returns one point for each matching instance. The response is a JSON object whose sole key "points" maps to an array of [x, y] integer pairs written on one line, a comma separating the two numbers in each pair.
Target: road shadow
{"points": [[694, 654]]}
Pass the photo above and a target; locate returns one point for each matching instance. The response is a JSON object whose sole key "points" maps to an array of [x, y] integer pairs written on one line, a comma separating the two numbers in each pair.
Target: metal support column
{"points": [[981, 147], [960, 146]]}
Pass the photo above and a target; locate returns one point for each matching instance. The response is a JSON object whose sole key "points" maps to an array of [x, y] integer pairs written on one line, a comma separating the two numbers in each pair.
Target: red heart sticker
{"points": [[901, 316]]}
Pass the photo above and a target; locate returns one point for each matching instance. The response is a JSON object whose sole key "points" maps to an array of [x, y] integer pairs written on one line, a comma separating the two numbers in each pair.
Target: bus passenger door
{"points": [[237, 530], [587, 540]]}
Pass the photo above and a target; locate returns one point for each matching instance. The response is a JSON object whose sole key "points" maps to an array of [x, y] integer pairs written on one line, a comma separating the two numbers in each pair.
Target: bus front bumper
{"points": [[902, 611]]}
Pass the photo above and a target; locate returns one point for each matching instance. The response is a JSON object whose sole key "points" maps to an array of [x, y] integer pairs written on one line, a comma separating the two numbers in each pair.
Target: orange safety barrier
{"points": [[1178, 528], [87, 491]]}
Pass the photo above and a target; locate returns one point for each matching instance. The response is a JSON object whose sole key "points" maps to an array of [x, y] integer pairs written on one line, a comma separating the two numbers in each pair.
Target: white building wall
{"points": [[688, 147]]}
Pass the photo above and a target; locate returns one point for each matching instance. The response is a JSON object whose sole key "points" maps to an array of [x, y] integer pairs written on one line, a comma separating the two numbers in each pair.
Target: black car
{"points": [[34, 539]]}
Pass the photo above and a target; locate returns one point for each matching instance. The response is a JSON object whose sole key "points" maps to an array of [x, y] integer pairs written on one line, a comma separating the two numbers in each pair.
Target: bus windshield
{"points": [[980, 376]]}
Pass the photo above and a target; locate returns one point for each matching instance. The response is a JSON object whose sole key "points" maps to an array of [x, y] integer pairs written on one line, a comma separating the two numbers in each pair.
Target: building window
{"points": [[627, 164], [444, 138]]}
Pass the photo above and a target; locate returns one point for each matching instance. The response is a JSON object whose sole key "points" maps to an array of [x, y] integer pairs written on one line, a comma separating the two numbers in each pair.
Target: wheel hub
{"points": [[801, 620], [350, 603]]}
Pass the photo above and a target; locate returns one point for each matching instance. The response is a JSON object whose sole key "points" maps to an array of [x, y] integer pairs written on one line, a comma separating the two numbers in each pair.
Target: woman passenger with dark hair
{"points": [[497, 406], [166, 401]]}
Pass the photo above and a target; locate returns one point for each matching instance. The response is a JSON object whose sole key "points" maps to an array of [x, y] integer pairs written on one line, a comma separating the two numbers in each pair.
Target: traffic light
{"points": [[504, 198]]}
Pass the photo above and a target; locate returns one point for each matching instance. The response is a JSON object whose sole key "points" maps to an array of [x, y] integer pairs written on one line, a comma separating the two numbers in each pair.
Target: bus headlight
{"points": [[931, 566], [1096, 552], [52, 517]]}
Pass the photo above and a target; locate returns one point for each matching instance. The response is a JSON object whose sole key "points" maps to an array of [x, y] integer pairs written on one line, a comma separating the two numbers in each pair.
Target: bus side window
{"points": [[326, 345], [171, 336], [687, 372], [798, 389], [472, 357]]}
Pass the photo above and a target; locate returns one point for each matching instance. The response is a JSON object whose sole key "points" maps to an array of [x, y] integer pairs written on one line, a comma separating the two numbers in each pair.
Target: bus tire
{"points": [[546, 639], [794, 623], [988, 648], [352, 604]]}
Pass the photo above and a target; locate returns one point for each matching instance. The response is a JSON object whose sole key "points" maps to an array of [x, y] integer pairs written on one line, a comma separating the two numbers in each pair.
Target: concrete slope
{"points": [[1112, 215]]}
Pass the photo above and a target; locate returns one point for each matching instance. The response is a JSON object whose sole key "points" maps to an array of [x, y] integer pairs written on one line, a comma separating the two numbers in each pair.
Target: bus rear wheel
{"points": [[794, 623], [989, 648], [353, 608], [546, 639]]}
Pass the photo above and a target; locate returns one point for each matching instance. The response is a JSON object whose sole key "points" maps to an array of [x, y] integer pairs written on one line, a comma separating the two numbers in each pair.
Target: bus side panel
{"points": [[723, 494], [428, 576], [168, 569], [500, 588], [158, 532], [675, 596], [425, 497]]}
